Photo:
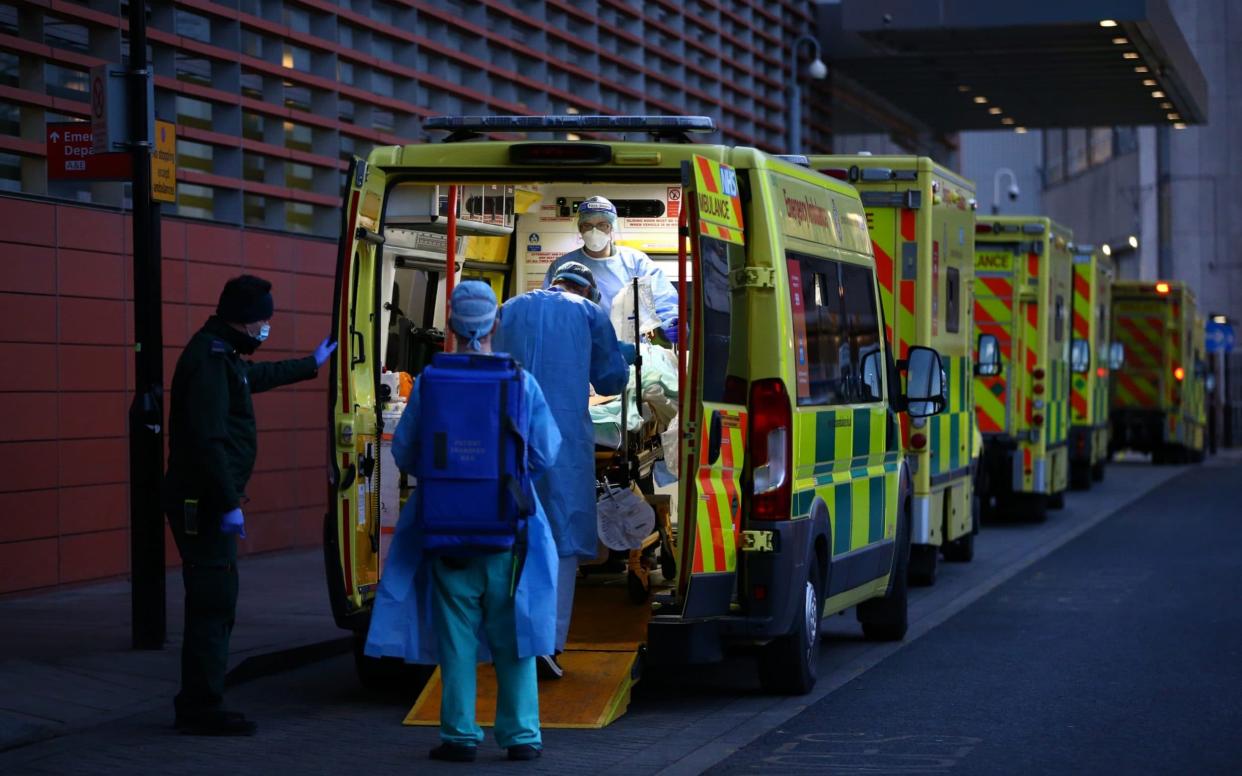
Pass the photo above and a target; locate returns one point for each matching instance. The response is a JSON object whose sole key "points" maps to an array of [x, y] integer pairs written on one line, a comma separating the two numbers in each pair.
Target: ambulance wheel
{"points": [[1057, 500], [1036, 507], [788, 664], [923, 562], [1097, 472], [1080, 476], [1197, 456], [886, 619]]}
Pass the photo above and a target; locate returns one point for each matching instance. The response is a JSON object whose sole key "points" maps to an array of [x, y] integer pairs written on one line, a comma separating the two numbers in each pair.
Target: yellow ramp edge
{"points": [[599, 659]]}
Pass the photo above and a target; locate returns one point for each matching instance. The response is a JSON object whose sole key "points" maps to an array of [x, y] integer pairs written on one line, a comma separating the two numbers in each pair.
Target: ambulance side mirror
{"points": [[925, 386], [989, 361], [1116, 356]]}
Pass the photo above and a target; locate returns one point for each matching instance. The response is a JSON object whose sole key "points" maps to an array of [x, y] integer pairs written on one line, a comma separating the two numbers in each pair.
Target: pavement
{"points": [[317, 719], [66, 664]]}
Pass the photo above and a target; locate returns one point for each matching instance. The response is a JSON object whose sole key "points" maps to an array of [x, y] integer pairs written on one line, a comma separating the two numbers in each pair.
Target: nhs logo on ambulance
{"points": [[728, 182]]}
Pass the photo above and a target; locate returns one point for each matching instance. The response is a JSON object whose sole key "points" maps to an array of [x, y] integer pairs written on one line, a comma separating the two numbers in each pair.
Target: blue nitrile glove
{"points": [[670, 332], [324, 351], [628, 352], [233, 521]]}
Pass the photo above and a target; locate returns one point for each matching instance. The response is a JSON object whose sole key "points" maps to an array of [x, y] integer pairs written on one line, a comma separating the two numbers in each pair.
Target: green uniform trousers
{"points": [[209, 571], [470, 592]]}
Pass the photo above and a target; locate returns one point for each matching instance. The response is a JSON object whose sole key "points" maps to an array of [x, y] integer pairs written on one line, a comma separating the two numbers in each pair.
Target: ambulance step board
{"points": [[594, 692]]}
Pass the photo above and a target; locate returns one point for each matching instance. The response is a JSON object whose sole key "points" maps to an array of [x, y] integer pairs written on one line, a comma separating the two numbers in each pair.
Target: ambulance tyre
{"points": [[1080, 476], [1097, 471], [923, 562], [1057, 500], [788, 665], [886, 619]]}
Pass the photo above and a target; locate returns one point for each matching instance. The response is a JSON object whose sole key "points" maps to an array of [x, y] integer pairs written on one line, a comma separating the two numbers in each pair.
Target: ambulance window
{"points": [[864, 330], [1059, 322], [952, 300], [717, 316], [823, 347]]}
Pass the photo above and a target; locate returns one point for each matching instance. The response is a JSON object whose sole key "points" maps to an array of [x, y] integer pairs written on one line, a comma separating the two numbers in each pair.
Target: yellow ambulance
{"points": [[794, 500], [1093, 357], [1158, 394], [921, 217], [1023, 286]]}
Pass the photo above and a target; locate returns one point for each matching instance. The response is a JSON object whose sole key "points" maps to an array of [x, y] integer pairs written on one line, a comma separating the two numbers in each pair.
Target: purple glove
{"points": [[233, 521], [670, 332], [324, 351]]}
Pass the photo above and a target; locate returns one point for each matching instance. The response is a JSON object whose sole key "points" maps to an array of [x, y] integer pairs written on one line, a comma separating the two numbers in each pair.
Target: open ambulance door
{"points": [[713, 398], [352, 522]]}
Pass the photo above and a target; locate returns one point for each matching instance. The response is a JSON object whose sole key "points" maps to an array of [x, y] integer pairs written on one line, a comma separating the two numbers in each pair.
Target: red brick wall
{"points": [[66, 379]]}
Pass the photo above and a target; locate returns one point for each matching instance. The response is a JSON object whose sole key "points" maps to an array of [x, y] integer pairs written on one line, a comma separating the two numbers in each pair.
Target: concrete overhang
{"points": [[1056, 63]]}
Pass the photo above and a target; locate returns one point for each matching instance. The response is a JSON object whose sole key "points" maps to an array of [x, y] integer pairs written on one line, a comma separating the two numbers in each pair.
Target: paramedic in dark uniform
{"points": [[212, 450]]}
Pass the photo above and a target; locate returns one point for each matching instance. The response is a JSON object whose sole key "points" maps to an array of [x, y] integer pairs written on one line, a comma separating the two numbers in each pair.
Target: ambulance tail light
{"points": [[1179, 374], [838, 173], [983, 228], [1038, 374], [771, 450], [1037, 420]]}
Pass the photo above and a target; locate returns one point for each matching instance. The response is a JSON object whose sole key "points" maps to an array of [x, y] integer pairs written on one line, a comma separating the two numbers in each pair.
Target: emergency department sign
{"points": [[720, 206]]}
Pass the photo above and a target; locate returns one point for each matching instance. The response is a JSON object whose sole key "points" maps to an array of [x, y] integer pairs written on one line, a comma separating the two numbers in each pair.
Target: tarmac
{"points": [[66, 662]]}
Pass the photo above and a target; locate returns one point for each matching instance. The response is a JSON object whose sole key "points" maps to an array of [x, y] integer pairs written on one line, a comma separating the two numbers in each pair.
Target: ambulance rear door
{"points": [[713, 409]]}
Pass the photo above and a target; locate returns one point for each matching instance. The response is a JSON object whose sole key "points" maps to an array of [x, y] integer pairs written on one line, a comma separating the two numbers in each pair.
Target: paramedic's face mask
{"points": [[595, 234], [259, 330]]}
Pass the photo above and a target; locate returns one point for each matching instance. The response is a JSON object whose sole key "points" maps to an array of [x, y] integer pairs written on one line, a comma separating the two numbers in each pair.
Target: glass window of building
{"points": [[296, 58], [66, 82], [66, 35], [299, 176], [295, 18], [10, 119], [1101, 145], [345, 72], [297, 136], [254, 167], [252, 125], [194, 156], [251, 43], [195, 70], [191, 25], [345, 110], [194, 201], [1054, 155], [345, 35], [193, 113], [381, 47], [10, 172], [382, 120], [8, 18], [1076, 159], [252, 85], [10, 69], [381, 11], [299, 217], [1125, 140], [254, 208], [297, 97], [381, 83]]}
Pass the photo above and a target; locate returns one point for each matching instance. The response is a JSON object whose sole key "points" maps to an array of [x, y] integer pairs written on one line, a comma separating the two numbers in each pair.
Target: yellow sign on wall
{"points": [[164, 163]]}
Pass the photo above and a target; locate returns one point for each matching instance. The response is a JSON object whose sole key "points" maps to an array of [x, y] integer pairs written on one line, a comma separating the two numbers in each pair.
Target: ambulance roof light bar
{"points": [[467, 127]]}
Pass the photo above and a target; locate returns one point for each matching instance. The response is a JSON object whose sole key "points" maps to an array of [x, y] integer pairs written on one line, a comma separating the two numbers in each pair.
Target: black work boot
{"points": [[454, 753], [547, 667], [525, 752]]}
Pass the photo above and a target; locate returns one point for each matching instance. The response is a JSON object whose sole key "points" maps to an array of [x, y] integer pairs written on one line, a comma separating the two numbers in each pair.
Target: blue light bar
{"points": [[571, 123]]}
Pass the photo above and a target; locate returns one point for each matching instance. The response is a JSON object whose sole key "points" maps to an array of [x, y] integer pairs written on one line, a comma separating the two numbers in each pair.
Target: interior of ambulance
{"points": [[507, 234]]}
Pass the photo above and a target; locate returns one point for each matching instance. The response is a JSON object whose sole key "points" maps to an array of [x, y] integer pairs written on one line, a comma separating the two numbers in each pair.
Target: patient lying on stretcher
{"points": [[659, 405]]}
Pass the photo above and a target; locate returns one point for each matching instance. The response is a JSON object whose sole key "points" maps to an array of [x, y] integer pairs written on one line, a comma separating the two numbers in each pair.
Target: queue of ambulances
{"points": [[921, 217], [1159, 393], [794, 501], [1023, 286], [1093, 358]]}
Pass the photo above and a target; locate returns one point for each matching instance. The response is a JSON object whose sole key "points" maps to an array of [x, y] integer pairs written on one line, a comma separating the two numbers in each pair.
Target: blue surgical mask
{"points": [[264, 330]]}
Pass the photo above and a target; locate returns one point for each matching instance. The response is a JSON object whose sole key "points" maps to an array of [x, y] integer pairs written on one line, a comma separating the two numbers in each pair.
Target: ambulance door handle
{"points": [[713, 439]]}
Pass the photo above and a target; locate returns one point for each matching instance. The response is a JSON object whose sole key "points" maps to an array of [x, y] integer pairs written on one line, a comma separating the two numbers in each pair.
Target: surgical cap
{"points": [[473, 311], [597, 206], [579, 274]]}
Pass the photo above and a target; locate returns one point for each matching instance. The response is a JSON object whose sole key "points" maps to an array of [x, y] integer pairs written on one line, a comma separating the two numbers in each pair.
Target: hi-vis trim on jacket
{"points": [[718, 517], [1082, 404], [719, 206], [994, 315], [859, 452], [1138, 384]]}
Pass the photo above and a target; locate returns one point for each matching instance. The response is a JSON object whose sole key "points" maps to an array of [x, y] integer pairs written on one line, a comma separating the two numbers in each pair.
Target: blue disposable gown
{"points": [[614, 272], [401, 621], [566, 342]]}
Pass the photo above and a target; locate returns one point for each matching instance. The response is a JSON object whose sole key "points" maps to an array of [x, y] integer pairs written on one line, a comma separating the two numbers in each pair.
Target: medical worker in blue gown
{"points": [[431, 609], [615, 266], [568, 344]]}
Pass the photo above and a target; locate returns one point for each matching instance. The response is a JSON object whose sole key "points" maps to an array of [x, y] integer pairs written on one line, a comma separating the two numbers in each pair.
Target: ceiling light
{"points": [[1159, 95], [1220, 319], [1174, 117], [1133, 241], [1130, 55], [963, 88], [1140, 68], [980, 100], [1106, 249], [995, 111], [1179, 125], [1020, 130], [1107, 23], [1149, 82], [1166, 106], [1120, 41], [1007, 121]]}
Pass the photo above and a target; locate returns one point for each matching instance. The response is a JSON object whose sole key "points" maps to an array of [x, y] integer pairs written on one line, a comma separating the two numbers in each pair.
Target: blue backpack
{"points": [[474, 489]]}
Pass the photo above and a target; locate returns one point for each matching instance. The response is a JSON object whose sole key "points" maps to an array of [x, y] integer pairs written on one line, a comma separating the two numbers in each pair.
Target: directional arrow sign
{"points": [[1220, 337], [71, 155]]}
